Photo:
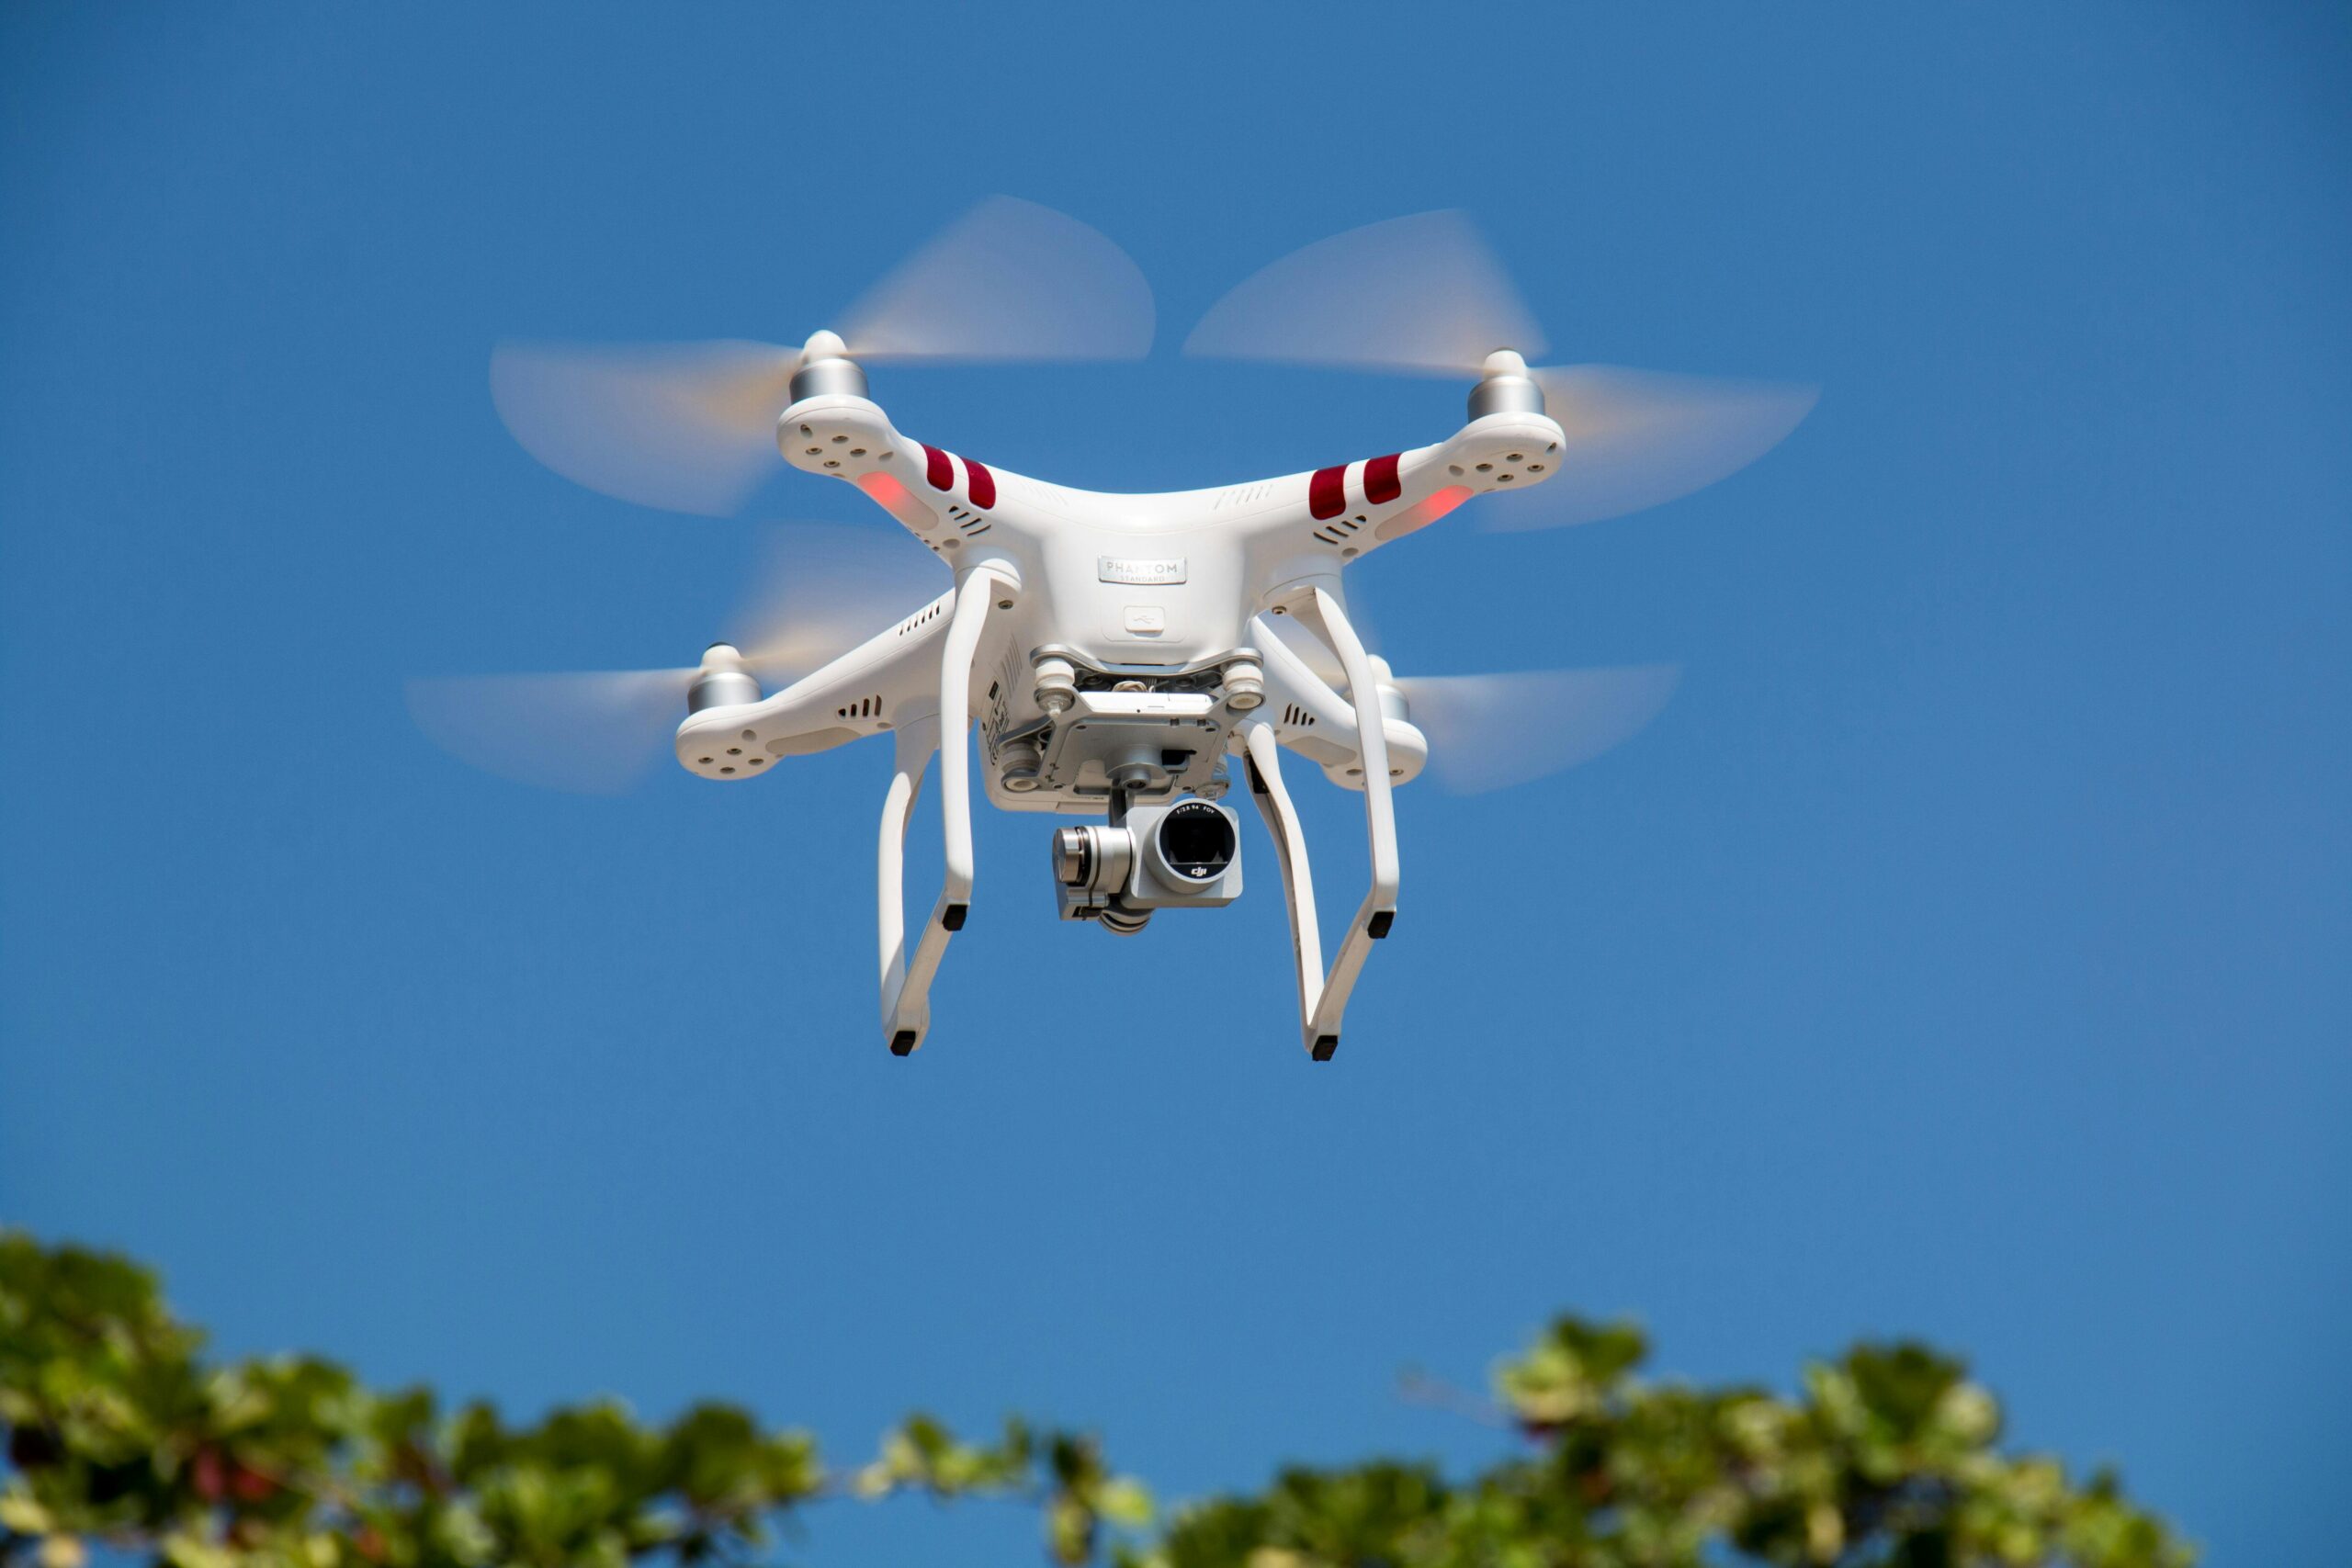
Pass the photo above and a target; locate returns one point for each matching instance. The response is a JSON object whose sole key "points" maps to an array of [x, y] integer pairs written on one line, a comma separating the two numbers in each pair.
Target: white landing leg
{"points": [[916, 739], [1321, 612], [906, 981], [1263, 755]]}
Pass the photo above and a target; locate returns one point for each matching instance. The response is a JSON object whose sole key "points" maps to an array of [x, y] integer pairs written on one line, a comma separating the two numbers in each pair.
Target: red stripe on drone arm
{"points": [[1381, 484], [938, 468], [983, 483], [1327, 492]]}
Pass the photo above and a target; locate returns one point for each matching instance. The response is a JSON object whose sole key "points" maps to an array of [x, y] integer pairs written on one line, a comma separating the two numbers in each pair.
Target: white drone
{"points": [[1124, 656]]}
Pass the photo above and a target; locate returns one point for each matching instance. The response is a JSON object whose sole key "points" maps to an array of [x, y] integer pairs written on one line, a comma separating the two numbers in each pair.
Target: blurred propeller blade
{"points": [[1637, 438], [690, 427], [593, 733], [1011, 280], [1491, 731], [822, 590], [1423, 294]]}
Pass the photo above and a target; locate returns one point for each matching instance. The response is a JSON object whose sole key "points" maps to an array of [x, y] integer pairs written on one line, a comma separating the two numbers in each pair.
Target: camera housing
{"points": [[1185, 854]]}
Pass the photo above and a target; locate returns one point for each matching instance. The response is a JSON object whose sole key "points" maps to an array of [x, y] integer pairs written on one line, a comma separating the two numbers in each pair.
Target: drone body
{"points": [[1133, 657], [1125, 646]]}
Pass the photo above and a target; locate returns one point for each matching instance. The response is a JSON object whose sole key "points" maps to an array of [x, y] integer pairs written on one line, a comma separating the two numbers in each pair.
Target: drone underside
{"points": [[1126, 657]]}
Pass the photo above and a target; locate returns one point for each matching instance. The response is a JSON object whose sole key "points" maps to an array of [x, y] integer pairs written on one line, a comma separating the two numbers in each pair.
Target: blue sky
{"points": [[1961, 953]]}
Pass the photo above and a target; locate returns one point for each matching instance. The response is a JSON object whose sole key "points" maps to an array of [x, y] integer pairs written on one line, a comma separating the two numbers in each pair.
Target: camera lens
{"points": [[1196, 840], [1073, 857]]}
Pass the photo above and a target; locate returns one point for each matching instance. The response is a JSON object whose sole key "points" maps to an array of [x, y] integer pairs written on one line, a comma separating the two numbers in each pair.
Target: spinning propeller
{"points": [[822, 591], [691, 427], [1424, 296], [1491, 731]]}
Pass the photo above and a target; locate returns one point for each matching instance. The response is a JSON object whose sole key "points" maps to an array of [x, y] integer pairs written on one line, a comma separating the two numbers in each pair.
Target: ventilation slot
{"points": [[924, 619], [1298, 717], [1334, 532], [1001, 689], [864, 707]]}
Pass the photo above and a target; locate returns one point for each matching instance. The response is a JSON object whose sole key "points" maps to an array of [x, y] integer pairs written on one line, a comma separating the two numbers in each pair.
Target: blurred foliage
{"points": [[120, 1432], [122, 1435], [1888, 1459]]}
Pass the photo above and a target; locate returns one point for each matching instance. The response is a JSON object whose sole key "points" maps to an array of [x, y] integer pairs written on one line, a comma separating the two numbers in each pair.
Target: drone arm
{"points": [[937, 496], [861, 693], [1351, 509], [906, 989]]}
